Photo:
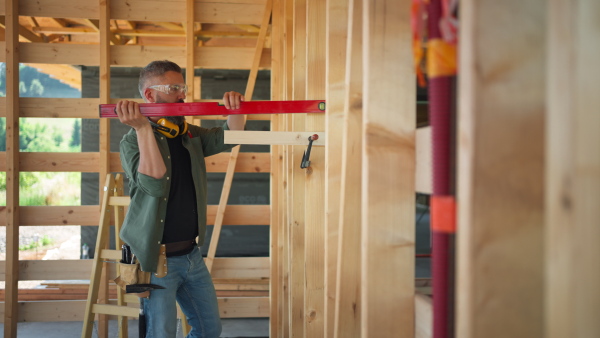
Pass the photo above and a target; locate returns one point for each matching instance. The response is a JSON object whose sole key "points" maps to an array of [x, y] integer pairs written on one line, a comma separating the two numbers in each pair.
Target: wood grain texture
{"points": [[501, 169], [388, 194]]}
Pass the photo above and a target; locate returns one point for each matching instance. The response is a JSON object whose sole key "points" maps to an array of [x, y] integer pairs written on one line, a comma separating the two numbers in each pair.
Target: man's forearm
{"points": [[236, 122]]}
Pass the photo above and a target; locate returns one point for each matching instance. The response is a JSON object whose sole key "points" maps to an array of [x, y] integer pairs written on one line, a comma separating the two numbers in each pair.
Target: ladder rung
{"points": [[110, 254], [116, 310]]}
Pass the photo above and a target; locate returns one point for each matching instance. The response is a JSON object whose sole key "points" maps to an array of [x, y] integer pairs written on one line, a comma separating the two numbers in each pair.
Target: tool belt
{"points": [[129, 266]]}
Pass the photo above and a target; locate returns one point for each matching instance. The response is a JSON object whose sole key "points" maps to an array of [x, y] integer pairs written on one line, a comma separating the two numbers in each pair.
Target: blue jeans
{"points": [[187, 281]]}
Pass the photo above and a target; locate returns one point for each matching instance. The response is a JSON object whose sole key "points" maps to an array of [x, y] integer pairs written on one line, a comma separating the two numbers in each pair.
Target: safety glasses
{"points": [[171, 88]]}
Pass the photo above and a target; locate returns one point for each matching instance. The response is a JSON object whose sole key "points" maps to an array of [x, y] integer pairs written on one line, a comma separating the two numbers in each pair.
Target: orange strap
{"points": [[443, 214], [441, 58]]}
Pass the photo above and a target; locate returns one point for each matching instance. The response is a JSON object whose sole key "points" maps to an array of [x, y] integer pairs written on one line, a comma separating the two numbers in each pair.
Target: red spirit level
{"points": [[215, 108]]}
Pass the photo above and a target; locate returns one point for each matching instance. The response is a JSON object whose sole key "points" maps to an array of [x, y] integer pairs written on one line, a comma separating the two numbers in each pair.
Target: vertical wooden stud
{"points": [[388, 188], [11, 316], [336, 34], [348, 302], [314, 300], [501, 169], [297, 267], [104, 11], [572, 297]]}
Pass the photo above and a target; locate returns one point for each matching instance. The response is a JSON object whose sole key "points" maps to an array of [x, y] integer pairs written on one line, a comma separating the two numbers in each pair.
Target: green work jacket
{"points": [[144, 223]]}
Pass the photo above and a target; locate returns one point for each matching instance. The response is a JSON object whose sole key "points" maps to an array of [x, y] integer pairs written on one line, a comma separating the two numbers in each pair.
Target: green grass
{"points": [[44, 241]]}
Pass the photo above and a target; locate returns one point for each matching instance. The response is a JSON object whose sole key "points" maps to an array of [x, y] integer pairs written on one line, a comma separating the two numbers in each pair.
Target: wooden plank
{"points": [[347, 319], [219, 11], [298, 181], [314, 299], [336, 35], [88, 162], [13, 57], [277, 313], [273, 137], [572, 184], [67, 311], [388, 201], [104, 155], [190, 46], [423, 316], [139, 56], [424, 158], [224, 268], [501, 170], [88, 215]]}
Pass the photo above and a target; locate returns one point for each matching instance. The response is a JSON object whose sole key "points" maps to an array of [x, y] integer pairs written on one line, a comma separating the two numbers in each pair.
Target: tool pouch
{"points": [[161, 268], [131, 274]]}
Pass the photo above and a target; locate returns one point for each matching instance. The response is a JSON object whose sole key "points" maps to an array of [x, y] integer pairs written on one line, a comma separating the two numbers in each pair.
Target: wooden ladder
{"points": [[113, 202]]}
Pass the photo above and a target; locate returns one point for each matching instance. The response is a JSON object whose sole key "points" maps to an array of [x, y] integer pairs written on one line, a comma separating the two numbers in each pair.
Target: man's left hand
{"points": [[232, 100]]}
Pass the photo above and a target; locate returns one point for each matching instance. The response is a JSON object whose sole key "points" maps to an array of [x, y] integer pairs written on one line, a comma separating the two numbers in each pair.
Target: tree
{"points": [[2, 134], [76, 136], [36, 89]]}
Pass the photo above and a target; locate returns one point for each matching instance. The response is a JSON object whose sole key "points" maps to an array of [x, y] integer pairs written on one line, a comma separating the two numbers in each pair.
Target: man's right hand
{"points": [[129, 114]]}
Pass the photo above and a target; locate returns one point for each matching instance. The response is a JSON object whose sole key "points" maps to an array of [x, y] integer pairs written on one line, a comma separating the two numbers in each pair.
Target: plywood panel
{"points": [[501, 169], [388, 195]]}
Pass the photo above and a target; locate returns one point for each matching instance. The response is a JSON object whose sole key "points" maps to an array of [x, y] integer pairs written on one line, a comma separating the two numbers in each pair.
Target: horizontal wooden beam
{"points": [[200, 33], [63, 311], [216, 11], [88, 162], [138, 56], [273, 137], [86, 215], [225, 268]]}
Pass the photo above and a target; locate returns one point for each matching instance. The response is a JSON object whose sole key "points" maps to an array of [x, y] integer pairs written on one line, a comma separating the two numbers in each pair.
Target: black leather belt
{"points": [[180, 248]]}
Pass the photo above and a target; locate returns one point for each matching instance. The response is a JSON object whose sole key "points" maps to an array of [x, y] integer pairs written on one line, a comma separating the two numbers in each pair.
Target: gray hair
{"points": [[154, 69]]}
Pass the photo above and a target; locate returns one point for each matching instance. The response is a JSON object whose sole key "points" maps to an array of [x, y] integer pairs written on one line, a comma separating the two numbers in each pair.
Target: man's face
{"points": [[170, 78]]}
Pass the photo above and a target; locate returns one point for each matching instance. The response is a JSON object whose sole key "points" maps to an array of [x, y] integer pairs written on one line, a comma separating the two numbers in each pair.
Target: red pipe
{"points": [[441, 107]]}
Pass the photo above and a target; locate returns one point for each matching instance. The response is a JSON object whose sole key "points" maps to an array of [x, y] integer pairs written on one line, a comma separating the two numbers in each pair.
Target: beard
{"points": [[178, 120]]}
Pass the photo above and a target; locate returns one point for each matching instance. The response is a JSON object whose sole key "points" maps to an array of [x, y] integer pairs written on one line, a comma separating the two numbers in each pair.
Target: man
{"points": [[164, 160]]}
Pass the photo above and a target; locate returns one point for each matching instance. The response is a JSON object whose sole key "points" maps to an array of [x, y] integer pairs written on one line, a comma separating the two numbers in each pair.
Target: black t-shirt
{"points": [[181, 222]]}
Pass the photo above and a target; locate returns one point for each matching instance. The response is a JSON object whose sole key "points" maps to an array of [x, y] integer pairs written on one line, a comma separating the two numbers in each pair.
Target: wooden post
{"points": [[348, 302], [190, 46], [388, 195], [501, 169], [572, 297], [11, 316], [297, 267], [336, 33], [275, 230], [104, 161], [314, 299]]}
